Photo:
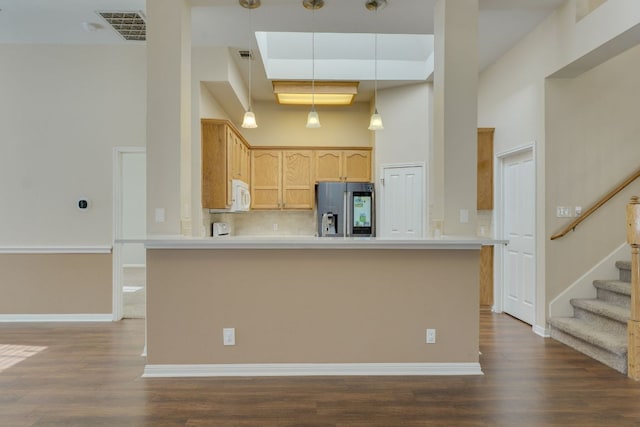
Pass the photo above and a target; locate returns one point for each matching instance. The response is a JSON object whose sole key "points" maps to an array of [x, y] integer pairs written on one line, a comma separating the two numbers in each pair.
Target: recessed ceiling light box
{"points": [[326, 93]]}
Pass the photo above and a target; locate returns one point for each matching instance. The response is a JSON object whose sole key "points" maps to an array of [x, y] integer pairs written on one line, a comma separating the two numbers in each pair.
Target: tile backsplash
{"points": [[485, 224], [268, 223]]}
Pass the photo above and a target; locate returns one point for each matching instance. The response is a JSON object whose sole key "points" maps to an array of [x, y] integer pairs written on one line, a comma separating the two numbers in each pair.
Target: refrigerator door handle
{"points": [[347, 213]]}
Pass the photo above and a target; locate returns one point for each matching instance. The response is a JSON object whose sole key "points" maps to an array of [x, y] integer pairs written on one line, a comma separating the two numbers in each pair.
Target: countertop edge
{"points": [[312, 243]]}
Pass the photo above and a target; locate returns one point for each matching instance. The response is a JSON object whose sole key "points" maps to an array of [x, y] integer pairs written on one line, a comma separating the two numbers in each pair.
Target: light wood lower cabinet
{"points": [[486, 276], [282, 179], [343, 165]]}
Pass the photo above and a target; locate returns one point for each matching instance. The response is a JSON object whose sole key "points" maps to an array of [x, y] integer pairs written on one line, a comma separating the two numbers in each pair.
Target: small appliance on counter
{"points": [[345, 209], [220, 229]]}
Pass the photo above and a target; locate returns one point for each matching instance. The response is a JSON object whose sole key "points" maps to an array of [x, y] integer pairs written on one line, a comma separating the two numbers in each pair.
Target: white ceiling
{"points": [[225, 23]]}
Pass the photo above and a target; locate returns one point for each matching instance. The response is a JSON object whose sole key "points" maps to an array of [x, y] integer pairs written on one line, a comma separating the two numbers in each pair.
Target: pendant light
{"points": [[249, 119], [376, 119], [313, 120]]}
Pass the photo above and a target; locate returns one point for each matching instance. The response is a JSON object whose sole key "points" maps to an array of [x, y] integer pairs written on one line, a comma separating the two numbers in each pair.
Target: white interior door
{"points": [[402, 202], [519, 228]]}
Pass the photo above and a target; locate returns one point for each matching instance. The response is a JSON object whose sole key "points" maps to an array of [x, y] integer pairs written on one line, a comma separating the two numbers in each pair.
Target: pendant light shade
{"points": [[376, 121], [313, 120], [249, 120]]}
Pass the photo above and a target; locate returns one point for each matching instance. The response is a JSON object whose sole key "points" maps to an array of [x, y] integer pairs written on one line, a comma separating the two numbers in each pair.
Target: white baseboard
{"points": [[9, 318], [311, 369], [542, 331]]}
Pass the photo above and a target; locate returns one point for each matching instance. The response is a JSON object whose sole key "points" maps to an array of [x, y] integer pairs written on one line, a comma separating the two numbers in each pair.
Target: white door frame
{"points": [[116, 261], [425, 193], [498, 262]]}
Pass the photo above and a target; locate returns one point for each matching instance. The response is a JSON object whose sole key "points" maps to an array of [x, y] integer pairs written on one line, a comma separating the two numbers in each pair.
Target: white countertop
{"points": [[311, 242]]}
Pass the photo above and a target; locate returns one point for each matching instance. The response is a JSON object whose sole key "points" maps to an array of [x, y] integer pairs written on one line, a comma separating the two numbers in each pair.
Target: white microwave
{"points": [[240, 196]]}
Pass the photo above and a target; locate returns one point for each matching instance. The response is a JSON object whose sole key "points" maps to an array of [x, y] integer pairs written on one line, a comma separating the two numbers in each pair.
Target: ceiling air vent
{"points": [[130, 25], [245, 54]]}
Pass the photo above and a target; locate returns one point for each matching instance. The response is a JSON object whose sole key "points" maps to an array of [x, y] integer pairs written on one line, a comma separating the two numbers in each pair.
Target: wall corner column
{"points": [[168, 114], [455, 116]]}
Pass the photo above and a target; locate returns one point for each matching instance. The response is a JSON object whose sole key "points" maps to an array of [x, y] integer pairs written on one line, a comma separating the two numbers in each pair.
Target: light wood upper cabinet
{"points": [[225, 156], [343, 165], [357, 165], [282, 179], [279, 177], [266, 172], [298, 189], [328, 165], [485, 169]]}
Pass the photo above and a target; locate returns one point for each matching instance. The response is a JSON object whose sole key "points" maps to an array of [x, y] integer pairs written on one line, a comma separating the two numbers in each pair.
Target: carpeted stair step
{"points": [[614, 291], [625, 270], [607, 316], [590, 339]]}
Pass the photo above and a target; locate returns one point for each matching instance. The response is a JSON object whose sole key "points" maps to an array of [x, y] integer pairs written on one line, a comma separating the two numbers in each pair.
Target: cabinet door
{"points": [[328, 165], [215, 185], [486, 276], [297, 179], [231, 162], [485, 169], [236, 155], [357, 165], [245, 163], [265, 179]]}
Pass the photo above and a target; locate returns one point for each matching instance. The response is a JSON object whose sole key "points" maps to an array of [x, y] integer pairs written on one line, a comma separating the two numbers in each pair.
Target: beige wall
{"points": [[592, 144], [62, 110], [286, 125], [312, 306], [55, 284]]}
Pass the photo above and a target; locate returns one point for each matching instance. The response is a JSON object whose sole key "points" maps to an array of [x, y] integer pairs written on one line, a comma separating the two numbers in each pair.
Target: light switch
{"points": [[464, 216], [159, 214]]}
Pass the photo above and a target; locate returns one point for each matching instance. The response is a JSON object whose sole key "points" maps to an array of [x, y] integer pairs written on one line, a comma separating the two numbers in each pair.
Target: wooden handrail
{"points": [[633, 325], [595, 207]]}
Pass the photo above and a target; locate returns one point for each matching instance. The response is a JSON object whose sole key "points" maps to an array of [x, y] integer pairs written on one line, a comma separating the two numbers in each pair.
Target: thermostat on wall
{"points": [[83, 204]]}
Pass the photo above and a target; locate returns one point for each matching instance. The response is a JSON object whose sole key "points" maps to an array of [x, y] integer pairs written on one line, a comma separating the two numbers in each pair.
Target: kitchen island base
{"points": [[312, 311]]}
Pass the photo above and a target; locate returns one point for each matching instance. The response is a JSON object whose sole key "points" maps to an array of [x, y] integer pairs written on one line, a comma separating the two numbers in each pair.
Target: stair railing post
{"points": [[633, 326]]}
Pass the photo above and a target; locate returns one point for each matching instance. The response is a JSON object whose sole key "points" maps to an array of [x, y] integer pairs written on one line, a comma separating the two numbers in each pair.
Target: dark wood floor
{"points": [[89, 375]]}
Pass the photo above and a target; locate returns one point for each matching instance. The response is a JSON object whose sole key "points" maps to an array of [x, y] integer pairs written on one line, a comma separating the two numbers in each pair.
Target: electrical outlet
{"points": [[431, 336], [275, 227], [229, 336]]}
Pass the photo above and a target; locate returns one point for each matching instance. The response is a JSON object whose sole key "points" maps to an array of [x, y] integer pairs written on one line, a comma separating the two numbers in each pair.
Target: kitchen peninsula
{"points": [[312, 306]]}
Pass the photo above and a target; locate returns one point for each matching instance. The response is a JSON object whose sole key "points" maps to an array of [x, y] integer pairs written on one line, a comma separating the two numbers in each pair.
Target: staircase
{"points": [[598, 327]]}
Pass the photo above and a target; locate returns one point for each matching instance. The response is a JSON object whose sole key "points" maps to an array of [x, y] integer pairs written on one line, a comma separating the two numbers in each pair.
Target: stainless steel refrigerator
{"points": [[345, 209]]}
